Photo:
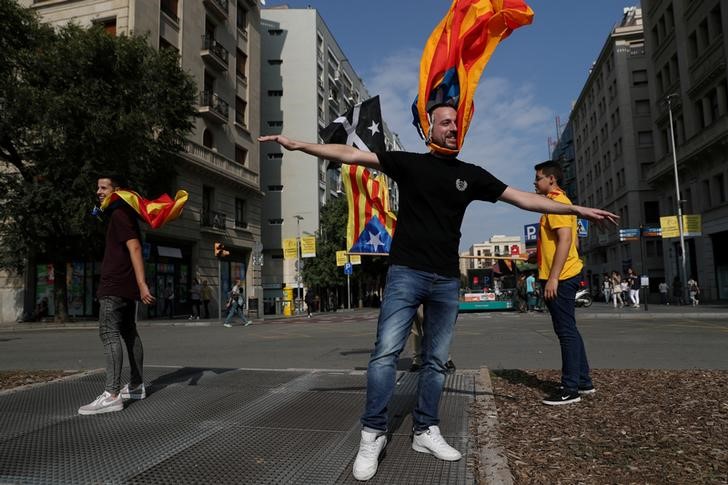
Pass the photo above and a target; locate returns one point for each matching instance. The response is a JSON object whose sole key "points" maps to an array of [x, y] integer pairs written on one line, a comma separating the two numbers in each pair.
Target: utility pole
{"points": [[298, 262], [683, 264]]}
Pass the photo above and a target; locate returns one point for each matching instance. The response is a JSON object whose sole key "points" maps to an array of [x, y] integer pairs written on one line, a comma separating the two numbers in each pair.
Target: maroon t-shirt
{"points": [[117, 272]]}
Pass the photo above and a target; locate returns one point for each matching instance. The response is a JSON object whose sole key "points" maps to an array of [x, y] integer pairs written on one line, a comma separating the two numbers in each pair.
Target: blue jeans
{"points": [[574, 364], [117, 322], [235, 308], [405, 290]]}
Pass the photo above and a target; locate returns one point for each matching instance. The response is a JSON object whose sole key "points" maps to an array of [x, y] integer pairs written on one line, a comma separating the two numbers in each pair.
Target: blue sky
{"points": [[533, 77]]}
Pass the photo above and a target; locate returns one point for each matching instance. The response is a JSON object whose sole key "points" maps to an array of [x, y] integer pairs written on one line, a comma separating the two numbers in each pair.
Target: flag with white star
{"points": [[371, 222], [360, 127]]}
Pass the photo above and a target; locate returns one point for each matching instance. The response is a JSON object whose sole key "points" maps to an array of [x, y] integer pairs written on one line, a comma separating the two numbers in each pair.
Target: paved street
{"points": [[665, 338]]}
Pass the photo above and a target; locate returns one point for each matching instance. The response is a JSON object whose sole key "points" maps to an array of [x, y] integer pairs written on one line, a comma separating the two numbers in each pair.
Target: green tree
{"points": [[74, 104]]}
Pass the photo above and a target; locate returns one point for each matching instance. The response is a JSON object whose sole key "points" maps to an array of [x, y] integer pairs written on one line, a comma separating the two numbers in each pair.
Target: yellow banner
{"points": [[290, 248], [692, 226], [341, 258], [355, 259], [308, 247]]}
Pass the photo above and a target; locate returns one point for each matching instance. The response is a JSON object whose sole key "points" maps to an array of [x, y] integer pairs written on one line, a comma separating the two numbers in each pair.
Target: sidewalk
{"points": [[205, 425], [655, 311]]}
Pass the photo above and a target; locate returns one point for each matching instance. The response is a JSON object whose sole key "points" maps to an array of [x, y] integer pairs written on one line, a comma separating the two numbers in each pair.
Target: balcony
{"points": [[214, 53], [213, 107], [221, 165], [215, 220], [219, 8]]}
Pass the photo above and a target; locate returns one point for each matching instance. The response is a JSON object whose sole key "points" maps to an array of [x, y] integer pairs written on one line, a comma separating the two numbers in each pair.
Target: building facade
{"points": [[218, 42], [687, 48], [307, 82], [613, 150], [480, 255]]}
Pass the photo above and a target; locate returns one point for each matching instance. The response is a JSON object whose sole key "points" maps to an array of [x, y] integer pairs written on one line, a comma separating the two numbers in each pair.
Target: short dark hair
{"points": [[117, 180], [551, 168]]}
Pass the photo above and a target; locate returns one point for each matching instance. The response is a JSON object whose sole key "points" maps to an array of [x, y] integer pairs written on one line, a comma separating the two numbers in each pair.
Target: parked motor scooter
{"points": [[583, 298]]}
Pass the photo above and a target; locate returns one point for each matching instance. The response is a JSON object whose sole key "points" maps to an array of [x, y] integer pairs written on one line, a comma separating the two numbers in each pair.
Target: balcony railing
{"points": [[211, 103], [213, 219], [211, 160], [217, 53]]}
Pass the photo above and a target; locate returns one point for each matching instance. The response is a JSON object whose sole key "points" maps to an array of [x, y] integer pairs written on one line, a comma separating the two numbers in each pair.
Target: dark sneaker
{"points": [[586, 390], [562, 397], [450, 367], [415, 368]]}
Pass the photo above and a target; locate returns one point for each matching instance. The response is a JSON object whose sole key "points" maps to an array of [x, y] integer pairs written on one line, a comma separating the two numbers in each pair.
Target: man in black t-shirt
{"points": [[434, 191], [122, 283]]}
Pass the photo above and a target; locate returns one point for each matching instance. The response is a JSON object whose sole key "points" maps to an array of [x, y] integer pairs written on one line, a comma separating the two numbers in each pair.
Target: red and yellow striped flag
{"points": [[371, 222], [155, 212], [456, 54]]}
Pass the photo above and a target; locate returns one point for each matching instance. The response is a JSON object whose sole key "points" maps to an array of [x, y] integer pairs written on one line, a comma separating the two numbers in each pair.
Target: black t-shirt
{"points": [[433, 195], [117, 273]]}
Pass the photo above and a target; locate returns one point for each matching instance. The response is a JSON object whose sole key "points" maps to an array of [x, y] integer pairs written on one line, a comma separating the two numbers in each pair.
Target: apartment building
{"points": [[687, 49], [306, 83], [219, 44], [476, 257], [614, 152]]}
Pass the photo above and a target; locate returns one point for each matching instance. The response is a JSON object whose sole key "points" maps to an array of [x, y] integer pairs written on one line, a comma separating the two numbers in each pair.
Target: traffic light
{"points": [[220, 251]]}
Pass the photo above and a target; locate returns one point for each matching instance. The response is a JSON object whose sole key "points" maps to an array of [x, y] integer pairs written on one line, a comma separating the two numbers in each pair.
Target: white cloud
{"points": [[507, 136]]}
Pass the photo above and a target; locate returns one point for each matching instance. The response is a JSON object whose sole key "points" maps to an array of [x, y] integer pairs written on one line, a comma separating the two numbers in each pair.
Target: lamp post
{"points": [[683, 267], [299, 218]]}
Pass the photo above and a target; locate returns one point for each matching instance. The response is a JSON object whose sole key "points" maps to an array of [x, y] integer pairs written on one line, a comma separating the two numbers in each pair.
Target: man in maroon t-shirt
{"points": [[122, 284]]}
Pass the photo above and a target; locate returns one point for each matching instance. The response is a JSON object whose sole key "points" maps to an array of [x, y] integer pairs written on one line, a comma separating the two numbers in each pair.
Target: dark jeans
{"points": [[117, 321], [405, 291], [574, 365], [206, 304], [195, 308]]}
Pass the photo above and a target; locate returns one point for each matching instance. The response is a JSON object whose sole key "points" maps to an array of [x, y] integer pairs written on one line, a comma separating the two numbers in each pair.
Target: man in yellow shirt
{"points": [[559, 269]]}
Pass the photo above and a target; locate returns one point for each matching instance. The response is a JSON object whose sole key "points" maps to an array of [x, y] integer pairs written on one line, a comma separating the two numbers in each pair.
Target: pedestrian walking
{"points": [[693, 291], [607, 287], [559, 268], [236, 304], [309, 299], [423, 269], [617, 289], [122, 283], [663, 288]]}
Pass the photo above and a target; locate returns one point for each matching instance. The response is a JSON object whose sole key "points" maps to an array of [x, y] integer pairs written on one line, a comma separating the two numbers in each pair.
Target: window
{"points": [[644, 138], [240, 218], [275, 188], [241, 155], [719, 183], [707, 202], [242, 19], [275, 32], [240, 107], [208, 197], [639, 77], [207, 139], [163, 44], [276, 123], [275, 92], [642, 107], [169, 7], [275, 156], [109, 26], [275, 62], [275, 222], [241, 61]]}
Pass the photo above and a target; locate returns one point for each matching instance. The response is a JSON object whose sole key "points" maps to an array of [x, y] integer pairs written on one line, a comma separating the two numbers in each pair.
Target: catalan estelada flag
{"points": [[155, 212], [371, 222], [456, 54]]}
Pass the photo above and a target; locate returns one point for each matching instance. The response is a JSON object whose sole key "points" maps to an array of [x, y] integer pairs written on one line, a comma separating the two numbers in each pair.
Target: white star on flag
{"points": [[375, 241], [374, 128]]}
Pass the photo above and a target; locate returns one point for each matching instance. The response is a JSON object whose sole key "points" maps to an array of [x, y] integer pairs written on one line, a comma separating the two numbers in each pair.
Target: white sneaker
{"points": [[137, 393], [103, 404], [431, 441], [367, 460]]}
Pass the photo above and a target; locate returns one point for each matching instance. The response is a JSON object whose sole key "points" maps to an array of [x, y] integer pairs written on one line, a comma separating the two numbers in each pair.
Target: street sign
{"points": [[629, 234], [348, 269], [531, 232], [651, 232], [515, 250], [582, 227]]}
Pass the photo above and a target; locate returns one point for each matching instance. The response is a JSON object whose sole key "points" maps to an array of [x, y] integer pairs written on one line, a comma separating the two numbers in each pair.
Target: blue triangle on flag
{"points": [[373, 239]]}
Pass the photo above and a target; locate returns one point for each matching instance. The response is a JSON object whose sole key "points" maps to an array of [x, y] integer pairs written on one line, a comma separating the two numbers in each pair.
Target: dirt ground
{"points": [[641, 427]]}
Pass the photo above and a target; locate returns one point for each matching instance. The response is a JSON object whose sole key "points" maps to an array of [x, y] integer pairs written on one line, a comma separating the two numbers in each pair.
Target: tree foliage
{"points": [[74, 104]]}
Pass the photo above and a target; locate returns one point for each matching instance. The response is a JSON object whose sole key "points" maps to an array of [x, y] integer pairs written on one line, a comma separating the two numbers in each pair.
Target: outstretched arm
{"points": [[538, 203], [330, 151]]}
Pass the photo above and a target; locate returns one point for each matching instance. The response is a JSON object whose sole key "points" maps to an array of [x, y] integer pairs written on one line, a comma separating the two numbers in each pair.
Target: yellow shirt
{"points": [[547, 241]]}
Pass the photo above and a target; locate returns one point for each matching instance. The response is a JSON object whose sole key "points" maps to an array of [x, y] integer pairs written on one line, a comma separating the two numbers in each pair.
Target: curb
{"points": [[494, 468]]}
